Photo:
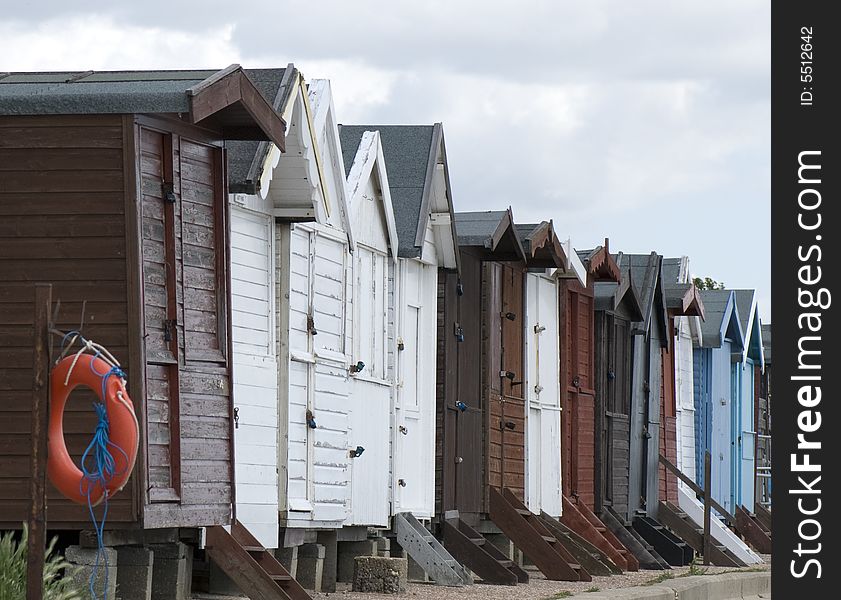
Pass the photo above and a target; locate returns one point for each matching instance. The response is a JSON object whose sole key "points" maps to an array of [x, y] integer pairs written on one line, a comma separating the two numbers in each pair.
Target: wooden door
{"points": [[413, 453], [316, 459], [543, 390], [187, 330], [461, 404], [255, 372], [506, 375], [370, 401], [703, 408], [577, 379], [613, 361], [163, 330], [651, 441]]}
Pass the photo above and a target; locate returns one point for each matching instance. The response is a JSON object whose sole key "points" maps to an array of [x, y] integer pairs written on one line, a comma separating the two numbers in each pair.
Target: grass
{"points": [[13, 571], [564, 594], [694, 569], [664, 576]]}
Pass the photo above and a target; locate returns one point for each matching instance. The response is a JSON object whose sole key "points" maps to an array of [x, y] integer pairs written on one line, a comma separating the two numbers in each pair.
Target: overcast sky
{"points": [[647, 122]]}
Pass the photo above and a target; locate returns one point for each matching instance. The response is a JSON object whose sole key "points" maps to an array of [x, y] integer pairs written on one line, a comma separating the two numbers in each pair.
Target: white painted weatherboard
{"points": [[543, 442], [371, 390], [685, 399], [314, 375], [255, 373], [414, 407]]}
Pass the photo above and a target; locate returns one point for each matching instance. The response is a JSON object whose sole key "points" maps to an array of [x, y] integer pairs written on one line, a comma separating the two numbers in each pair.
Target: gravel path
{"points": [[538, 588]]}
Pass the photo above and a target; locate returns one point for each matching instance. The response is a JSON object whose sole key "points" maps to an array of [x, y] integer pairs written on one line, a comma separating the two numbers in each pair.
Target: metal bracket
{"points": [[168, 191]]}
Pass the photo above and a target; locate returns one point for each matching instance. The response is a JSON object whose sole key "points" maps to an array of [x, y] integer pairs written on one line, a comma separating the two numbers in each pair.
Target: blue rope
{"points": [[102, 470]]}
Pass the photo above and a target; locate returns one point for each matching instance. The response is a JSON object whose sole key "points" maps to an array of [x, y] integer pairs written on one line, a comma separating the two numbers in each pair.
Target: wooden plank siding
{"points": [[186, 319], [577, 391], [83, 207], [482, 444], [613, 391], [668, 421], [506, 425], [61, 222]]}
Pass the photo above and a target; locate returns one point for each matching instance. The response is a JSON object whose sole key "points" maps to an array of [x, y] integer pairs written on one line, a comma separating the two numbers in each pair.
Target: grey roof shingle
{"points": [[766, 342], [97, 92], [476, 228], [246, 158], [645, 277], [715, 303], [407, 150], [131, 92], [744, 302]]}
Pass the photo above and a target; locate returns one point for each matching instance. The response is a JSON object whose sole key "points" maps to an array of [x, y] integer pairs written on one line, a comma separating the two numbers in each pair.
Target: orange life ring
{"points": [[123, 428]]}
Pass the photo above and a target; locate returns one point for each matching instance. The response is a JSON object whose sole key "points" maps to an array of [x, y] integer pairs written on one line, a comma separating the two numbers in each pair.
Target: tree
{"points": [[707, 283]]}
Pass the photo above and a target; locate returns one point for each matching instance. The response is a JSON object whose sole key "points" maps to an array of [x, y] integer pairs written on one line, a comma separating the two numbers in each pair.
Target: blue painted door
{"points": [[703, 416]]}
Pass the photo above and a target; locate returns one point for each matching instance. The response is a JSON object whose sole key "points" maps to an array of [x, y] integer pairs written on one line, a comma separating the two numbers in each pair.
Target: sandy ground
{"points": [[538, 588]]}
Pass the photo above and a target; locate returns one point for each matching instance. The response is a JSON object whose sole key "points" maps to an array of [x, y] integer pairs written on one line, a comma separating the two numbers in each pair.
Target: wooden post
{"points": [[40, 422], [707, 498]]}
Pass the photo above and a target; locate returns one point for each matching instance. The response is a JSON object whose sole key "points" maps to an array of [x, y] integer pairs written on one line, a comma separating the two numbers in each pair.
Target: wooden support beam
{"points": [[527, 533], [752, 532], [37, 521], [471, 549], [731, 520]]}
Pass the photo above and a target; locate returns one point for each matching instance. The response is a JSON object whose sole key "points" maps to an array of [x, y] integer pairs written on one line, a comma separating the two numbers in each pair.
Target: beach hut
{"points": [[687, 333], [763, 428], [374, 335], [315, 321], [617, 307], [749, 373], [650, 339], [114, 191], [685, 312], [418, 185], [481, 428], [254, 204], [715, 363], [472, 375], [546, 261], [577, 334]]}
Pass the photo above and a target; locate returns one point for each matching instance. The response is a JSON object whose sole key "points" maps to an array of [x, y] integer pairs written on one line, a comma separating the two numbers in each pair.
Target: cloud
{"points": [[646, 121], [99, 43]]}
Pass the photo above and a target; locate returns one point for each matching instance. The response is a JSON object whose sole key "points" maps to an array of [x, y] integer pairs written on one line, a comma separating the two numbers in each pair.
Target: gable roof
{"points": [[749, 320], [610, 295], [246, 159], [722, 319], [492, 230], [682, 297], [411, 155], [369, 161], [227, 100], [600, 264], [645, 273], [541, 245]]}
